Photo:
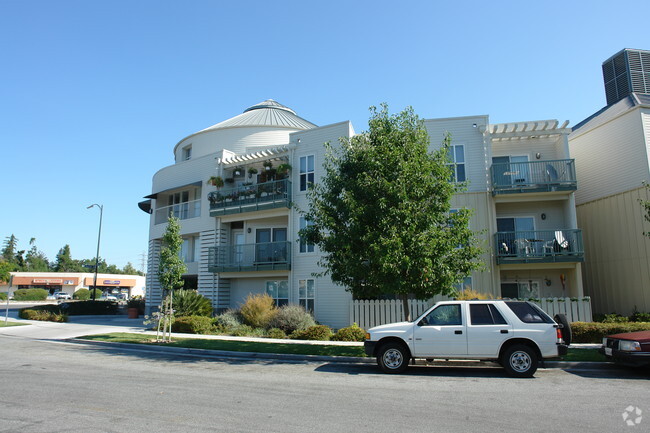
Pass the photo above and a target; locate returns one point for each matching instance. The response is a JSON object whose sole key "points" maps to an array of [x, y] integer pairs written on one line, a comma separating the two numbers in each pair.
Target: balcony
{"points": [[539, 246], [249, 198], [533, 176], [182, 211], [250, 257]]}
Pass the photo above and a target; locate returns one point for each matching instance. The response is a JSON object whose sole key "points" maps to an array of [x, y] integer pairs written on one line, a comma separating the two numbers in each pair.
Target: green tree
{"points": [[645, 204], [65, 263], [128, 269], [10, 249], [35, 260], [381, 215], [5, 268]]}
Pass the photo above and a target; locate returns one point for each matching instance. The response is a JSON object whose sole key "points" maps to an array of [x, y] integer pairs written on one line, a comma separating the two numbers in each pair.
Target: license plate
{"points": [[608, 351]]}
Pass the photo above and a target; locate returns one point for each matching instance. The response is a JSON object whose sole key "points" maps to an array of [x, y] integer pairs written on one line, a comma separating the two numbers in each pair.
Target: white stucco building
{"points": [[242, 238]]}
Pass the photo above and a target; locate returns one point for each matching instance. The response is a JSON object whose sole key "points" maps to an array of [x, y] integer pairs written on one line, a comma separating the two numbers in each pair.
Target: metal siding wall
{"points": [[617, 255]]}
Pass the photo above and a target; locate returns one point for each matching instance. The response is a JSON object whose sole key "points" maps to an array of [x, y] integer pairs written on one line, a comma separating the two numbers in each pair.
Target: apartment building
{"points": [[242, 237], [613, 162]]}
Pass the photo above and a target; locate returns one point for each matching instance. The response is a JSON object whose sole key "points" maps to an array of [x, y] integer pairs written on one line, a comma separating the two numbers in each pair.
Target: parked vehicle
{"points": [[106, 297], [628, 349], [62, 295], [516, 334]]}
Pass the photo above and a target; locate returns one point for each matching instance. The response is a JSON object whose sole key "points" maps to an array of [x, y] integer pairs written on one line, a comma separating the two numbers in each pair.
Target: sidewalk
{"points": [[91, 325]]}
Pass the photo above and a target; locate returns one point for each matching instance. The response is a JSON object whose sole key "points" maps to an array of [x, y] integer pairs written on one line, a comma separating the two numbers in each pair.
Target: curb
{"points": [[220, 354]]}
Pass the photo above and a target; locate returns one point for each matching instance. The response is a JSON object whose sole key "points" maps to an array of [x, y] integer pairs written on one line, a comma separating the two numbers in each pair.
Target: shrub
{"points": [[193, 325], [258, 310], [290, 318], [85, 294], [191, 303], [593, 332], [614, 318], [469, 294], [640, 317], [30, 295], [276, 333], [3, 296], [246, 331], [85, 308], [317, 332], [136, 301], [351, 333], [42, 314], [228, 319]]}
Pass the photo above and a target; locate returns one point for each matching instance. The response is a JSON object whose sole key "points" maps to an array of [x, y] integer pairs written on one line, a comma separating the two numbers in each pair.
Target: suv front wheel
{"points": [[393, 358], [520, 361]]}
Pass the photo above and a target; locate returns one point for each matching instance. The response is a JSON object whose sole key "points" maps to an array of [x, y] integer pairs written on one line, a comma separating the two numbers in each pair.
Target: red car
{"points": [[630, 349]]}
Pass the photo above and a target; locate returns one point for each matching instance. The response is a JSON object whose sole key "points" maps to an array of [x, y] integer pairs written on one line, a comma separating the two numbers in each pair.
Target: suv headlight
{"points": [[367, 335], [629, 346]]}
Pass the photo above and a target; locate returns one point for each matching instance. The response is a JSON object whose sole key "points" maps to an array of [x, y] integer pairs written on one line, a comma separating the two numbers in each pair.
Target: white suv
{"points": [[516, 334]]}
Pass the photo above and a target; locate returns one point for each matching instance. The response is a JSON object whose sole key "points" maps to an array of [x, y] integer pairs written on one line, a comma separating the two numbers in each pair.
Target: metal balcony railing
{"points": [[533, 176], [539, 246], [250, 257], [248, 198], [182, 211]]}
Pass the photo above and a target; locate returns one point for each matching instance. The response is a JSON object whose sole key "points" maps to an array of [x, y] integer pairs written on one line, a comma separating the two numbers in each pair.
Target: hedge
{"points": [[593, 332], [41, 314], [30, 295], [3, 296]]}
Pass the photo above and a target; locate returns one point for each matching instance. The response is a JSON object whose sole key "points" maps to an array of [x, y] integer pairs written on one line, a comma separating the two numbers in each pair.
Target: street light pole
{"points": [[99, 236]]}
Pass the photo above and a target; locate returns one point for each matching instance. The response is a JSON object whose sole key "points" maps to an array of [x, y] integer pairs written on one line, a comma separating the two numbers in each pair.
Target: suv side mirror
{"points": [[423, 322]]}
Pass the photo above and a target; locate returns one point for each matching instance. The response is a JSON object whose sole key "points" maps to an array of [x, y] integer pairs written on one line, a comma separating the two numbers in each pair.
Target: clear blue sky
{"points": [[95, 94]]}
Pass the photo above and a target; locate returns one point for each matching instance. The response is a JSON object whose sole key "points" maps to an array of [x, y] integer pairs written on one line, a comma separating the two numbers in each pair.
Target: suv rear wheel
{"points": [[520, 361], [393, 357]]}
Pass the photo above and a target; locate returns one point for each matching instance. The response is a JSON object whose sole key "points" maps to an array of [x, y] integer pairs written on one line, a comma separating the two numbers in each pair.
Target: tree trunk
{"points": [[405, 306]]}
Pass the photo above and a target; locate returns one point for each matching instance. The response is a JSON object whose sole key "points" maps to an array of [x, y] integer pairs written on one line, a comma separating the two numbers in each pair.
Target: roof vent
{"points": [[627, 71]]}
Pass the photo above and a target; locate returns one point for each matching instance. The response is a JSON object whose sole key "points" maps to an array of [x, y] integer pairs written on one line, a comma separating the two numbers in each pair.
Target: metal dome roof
{"points": [[266, 113]]}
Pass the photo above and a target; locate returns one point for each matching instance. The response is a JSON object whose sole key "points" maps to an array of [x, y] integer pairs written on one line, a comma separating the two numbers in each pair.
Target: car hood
{"points": [[392, 327], [640, 336]]}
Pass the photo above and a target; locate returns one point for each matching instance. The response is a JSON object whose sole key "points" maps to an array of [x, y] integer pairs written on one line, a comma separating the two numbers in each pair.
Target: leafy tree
{"points": [[645, 204], [382, 218], [5, 268], [35, 260], [10, 249], [130, 270], [170, 271], [65, 263]]}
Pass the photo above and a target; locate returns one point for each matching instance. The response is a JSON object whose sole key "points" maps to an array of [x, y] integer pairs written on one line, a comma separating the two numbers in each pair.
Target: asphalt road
{"points": [[48, 386]]}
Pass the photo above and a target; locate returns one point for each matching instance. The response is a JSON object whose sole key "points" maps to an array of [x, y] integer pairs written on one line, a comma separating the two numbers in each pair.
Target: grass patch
{"points": [[233, 346], [3, 324], [583, 355]]}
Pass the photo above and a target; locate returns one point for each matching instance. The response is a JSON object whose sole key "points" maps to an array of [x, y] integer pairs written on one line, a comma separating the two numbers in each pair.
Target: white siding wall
{"points": [[554, 210], [617, 271], [550, 148], [463, 132], [233, 139], [611, 158]]}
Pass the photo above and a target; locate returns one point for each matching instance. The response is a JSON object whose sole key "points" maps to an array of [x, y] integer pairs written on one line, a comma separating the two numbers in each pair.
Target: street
{"points": [[49, 386]]}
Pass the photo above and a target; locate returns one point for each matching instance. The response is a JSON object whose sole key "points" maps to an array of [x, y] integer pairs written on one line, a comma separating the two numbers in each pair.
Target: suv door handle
{"points": [[458, 332], [504, 331]]}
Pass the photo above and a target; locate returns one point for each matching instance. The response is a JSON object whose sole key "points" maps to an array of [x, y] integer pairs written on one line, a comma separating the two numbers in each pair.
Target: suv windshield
{"points": [[528, 313]]}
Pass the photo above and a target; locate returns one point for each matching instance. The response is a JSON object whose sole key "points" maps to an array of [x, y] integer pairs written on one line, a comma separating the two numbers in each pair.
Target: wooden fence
{"points": [[367, 314]]}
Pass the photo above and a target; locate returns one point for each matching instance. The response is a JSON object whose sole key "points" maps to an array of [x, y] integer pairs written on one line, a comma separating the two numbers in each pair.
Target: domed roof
{"points": [[266, 113]]}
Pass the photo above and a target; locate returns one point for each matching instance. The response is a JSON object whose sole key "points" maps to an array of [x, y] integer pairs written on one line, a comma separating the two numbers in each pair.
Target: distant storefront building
{"points": [[114, 284]]}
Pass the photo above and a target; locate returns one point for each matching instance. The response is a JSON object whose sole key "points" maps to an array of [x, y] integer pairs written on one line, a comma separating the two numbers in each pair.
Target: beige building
{"points": [[611, 148], [70, 282]]}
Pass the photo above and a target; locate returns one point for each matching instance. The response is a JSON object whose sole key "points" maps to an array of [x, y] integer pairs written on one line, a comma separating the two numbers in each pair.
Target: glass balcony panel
{"points": [[533, 176], [539, 246], [182, 211], [250, 257], [248, 198]]}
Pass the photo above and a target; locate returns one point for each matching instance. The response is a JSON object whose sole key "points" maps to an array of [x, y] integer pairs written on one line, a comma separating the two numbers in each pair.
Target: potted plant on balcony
{"points": [[237, 172], [252, 171], [216, 181], [268, 165], [283, 170]]}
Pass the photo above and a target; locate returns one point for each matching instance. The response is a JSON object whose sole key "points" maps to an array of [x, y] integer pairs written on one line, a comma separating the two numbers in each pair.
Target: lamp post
{"points": [[99, 236]]}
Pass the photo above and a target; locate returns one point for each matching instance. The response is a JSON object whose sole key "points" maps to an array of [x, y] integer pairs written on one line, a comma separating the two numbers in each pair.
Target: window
{"points": [[528, 313], [520, 289], [456, 158], [306, 171], [465, 285], [188, 250], [444, 315], [187, 152], [304, 246], [306, 294], [279, 291], [485, 314]]}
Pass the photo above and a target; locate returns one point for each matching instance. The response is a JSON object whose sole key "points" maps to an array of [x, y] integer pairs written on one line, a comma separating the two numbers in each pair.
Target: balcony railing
{"points": [[539, 246], [534, 176], [182, 211], [249, 198], [250, 257]]}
